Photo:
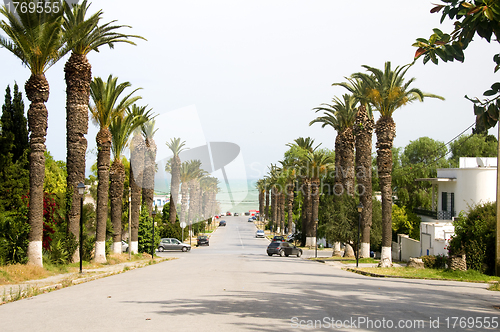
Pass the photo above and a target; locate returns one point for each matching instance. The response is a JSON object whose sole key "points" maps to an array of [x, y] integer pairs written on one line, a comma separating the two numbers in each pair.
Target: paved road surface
{"points": [[233, 285]]}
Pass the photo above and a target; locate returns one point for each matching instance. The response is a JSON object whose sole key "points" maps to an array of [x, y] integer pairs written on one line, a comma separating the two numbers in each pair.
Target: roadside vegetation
{"points": [[19, 273]]}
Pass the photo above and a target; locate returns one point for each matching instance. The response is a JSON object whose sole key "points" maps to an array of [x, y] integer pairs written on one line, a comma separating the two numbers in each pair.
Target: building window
{"points": [[444, 201]]}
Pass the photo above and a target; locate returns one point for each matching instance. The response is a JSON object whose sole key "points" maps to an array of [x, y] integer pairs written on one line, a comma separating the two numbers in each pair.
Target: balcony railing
{"points": [[427, 213]]}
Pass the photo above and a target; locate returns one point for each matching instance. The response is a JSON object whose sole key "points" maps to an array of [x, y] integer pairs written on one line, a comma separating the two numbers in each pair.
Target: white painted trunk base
{"points": [[117, 247], [336, 249], [364, 250], [134, 247], [311, 241], [386, 257], [76, 255], [35, 253], [100, 252]]}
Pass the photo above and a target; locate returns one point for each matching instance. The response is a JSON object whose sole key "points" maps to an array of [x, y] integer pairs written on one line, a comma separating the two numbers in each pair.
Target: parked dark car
{"points": [[222, 223], [173, 244], [236, 214], [278, 238], [283, 249], [202, 240]]}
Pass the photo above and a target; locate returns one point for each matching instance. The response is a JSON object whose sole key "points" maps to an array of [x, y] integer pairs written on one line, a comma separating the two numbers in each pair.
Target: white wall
{"points": [[435, 237], [472, 186]]}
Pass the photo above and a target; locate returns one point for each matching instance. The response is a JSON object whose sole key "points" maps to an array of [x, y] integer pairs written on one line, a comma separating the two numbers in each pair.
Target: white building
{"points": [[474, 182]]}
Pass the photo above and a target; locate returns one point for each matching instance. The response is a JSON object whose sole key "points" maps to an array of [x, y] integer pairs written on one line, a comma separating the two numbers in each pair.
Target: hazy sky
{"points": [[250, 72]]}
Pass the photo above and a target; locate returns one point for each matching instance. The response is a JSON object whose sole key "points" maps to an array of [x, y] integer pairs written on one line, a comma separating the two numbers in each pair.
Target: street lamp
{"points": [[81, 191], [360, 209], [153, 238]]}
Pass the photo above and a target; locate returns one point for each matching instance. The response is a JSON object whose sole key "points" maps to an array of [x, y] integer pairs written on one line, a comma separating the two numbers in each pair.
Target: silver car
{"points": [[260, 233], [173, 244]]}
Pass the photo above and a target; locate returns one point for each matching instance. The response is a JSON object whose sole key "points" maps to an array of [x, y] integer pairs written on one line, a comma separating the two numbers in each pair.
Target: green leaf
{"points": [[438, 32], [489, 93], [496, 87]]}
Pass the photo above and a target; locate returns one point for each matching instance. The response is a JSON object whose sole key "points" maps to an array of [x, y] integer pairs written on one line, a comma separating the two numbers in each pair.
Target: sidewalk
{"points": [[34, 287]]}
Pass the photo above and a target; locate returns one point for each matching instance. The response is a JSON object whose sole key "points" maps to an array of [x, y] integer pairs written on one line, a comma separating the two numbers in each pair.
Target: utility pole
{"points": [[497, 256]]}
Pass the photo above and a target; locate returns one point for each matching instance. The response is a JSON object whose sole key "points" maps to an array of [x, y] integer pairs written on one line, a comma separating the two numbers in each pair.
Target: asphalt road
{"points": [[233, 285]]}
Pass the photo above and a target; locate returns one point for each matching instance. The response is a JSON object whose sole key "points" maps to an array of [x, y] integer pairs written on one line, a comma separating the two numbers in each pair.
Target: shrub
{"points": [[475, 236], [429, 261], [14, 229], [434, 262]]}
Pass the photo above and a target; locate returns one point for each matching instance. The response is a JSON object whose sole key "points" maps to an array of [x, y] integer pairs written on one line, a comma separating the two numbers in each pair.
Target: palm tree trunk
{"points": [[78, 77], [282, 210], [347, 161], [137, 147], [363, 128], [308, 225], [266, 208], [192, 201], [386, 131], [290, 207], [338, 188], [103, 140], [262, 193], [315, 193], [149, 174], [117, 176], [184, 202], [37, 91], [274, 210], [174, 188]]}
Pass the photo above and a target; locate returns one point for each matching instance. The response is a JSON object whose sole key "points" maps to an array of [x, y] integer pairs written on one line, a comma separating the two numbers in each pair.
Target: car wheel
{"points": [[184, 249], [299, 253], [160, 249], [282, 253], [287, 255], [269, 254]]}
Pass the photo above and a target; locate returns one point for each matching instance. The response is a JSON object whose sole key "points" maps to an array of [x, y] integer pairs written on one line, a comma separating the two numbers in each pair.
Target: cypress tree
{"points": [[7, 136], [14, 134], [19, 125]]}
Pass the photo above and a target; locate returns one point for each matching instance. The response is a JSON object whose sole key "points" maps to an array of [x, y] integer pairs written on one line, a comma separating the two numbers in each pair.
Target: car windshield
{"points": [[202, 237], [274, 244], [175, 241]]}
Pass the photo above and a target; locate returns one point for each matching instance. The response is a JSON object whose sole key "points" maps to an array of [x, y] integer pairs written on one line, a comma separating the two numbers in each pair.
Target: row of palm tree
{"points": [[39, 40], [198, 190], [302, 170], [384, 91], [351, 116]]}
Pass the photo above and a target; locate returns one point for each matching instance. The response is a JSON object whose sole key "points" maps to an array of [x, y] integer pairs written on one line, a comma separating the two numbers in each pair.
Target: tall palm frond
{"points": [[86, 35], [35, 38], [105, 97], [387, 90]]}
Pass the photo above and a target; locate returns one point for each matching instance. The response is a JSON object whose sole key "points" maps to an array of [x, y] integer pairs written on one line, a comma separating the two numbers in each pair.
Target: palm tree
{"points": [[189, 170], [363, 132], [105, 96], [301, 148], [121, 127], [37, 40], [341, 116], [387, 91], [176, 146], [84, 34], [148, 191], [320, 164], [261, 188], [137, 151]]}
